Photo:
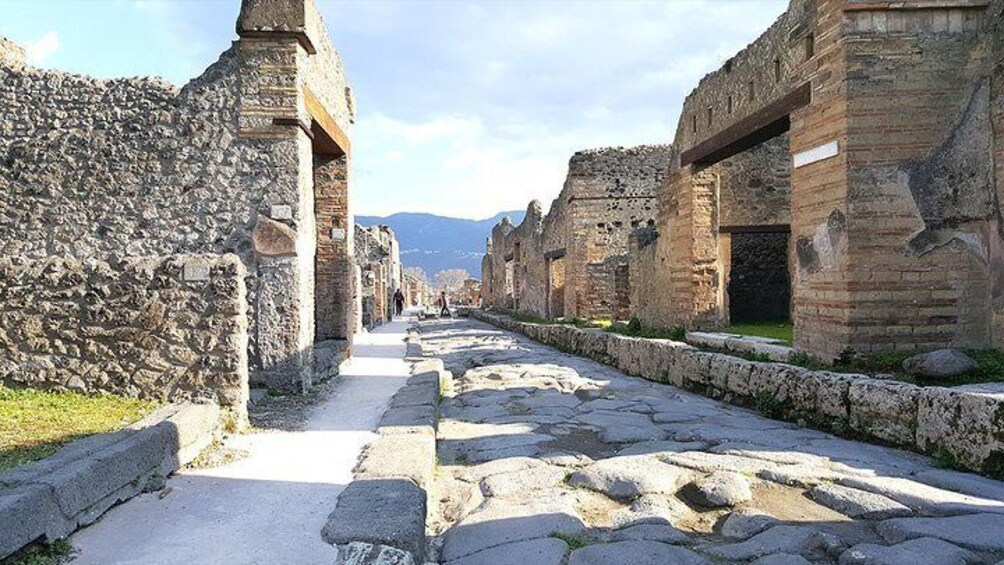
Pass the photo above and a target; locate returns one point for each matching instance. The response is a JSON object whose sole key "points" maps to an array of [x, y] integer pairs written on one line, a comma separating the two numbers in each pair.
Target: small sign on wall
{"points": [[816, 154], [195, 272], [280, 212], [338, 234]]}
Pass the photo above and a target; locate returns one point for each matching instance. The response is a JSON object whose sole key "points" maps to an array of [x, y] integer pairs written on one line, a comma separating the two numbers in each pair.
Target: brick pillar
{"points": [[333, 273]]}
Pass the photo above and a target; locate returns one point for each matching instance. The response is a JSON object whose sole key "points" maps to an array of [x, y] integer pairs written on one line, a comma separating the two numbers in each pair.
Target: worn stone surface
{"points": [[399, 455], [361, 553], [545, 551], [922, 550], [975, 531], [525, 416], [858, 503], [387, 512], [640, 552], [721, 488]]}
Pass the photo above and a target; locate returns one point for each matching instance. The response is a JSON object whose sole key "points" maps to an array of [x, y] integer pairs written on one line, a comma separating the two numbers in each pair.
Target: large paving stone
{"points": [[622, 427], [711, 462], [858, 503], [387, 512], [721, 488], [664, 446], [745, 523], [923, 498], [498, 524], [477, 473], [975, 531], [628, 477], [409, 419], [518, 482], [779, 539], [922, 550], [544, 551], [361, 553], [782, 559], [664, 533], [634, 553]]}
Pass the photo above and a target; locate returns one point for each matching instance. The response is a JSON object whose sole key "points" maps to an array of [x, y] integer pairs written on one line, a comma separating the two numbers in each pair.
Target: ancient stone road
{"points": [[546, 457], [268, 508]]}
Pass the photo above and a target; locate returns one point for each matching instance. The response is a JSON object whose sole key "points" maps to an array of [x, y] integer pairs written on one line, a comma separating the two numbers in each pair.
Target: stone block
{"points": [[422, 394], [884, 409], [411, 456], [409, 419], [388, 512], [26, 514], [965, 422], [832, 394]]}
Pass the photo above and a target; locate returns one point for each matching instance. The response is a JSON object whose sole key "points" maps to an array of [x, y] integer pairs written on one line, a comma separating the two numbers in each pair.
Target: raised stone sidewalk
{"points": [[550, 458]]}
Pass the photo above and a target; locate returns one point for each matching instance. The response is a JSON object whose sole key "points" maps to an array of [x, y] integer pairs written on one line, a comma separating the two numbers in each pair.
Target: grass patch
{"points": [[43, 554], [34, 424], [783, 331], [573, 542], [635, 329]]}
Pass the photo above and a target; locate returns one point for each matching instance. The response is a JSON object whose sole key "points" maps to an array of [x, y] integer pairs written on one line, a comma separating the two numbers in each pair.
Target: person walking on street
{"points": [[398, 302], [444, 305]]}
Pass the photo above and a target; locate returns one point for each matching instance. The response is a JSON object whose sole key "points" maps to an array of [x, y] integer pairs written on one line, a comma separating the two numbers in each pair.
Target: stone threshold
{"points": [[963, 427], [381, 515], [49, 499]]}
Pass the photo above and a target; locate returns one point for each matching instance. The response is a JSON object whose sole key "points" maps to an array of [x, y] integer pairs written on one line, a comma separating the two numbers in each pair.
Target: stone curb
{"points": [[52, 498], [964, 424], [384, 508]]}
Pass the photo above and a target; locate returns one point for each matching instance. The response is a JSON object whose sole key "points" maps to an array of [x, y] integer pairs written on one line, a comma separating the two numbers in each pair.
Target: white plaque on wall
{"points": [[816, 154], [337, 234]]}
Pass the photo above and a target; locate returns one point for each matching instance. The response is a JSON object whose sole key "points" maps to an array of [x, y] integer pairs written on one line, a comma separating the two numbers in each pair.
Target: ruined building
{"points": [[847, 167], [164, 241], [573, 262], [378, 256]]}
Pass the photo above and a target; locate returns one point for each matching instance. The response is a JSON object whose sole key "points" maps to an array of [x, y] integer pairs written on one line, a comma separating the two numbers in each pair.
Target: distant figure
{"points": [[444, 305], [399, 302]]}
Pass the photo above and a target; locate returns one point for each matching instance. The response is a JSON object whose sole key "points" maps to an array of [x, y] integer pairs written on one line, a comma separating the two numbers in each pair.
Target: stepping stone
{"points": [[779, 539], [858, 503], [721, 488], [545, 551], [635, 553], [975, 531], [922, 550], [387, 512], [628, 477], [654, 509], [746, 522]]}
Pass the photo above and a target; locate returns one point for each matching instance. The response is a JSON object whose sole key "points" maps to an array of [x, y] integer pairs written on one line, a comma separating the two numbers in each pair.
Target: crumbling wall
{"points": [[170, 328], [137, 167], [11, 54], [377, 255]]}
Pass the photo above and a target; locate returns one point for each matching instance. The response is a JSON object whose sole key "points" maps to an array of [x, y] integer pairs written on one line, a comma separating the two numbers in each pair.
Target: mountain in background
{"points": [[435, 243]]}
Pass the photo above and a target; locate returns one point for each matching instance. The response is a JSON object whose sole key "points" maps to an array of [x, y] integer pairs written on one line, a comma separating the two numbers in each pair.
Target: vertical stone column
{"points": [[334, 271]]}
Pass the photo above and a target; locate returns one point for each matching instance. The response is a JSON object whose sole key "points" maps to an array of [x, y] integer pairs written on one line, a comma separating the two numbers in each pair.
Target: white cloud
{"points": [[42, 49]]}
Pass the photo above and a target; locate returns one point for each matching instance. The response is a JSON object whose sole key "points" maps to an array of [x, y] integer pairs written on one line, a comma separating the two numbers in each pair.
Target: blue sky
{"points": [[464, 108]]}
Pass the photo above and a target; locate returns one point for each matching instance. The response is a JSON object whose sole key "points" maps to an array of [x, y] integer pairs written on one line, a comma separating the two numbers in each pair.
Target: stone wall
{"points": [[962, 423], [229, 163], [11, 54], [759, 287], [169, 328], [886, 109], [378, 257], [578, 250]]}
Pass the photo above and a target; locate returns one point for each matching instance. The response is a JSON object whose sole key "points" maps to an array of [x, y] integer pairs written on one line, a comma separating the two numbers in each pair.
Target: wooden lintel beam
{"points": [[327, 134], [769, 121], [555, 254]]}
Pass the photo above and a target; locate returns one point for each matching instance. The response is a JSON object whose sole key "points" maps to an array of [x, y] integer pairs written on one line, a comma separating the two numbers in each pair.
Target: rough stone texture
{"points": [[169, 328], [573, 261], [975, 531], [634, 552], [361, 553], [857, 503], [387, 512], [964, 422], [533, 414], [895, 239], [923, 550], [629, 477], [545, 551], [721, 488], [51, 498], [939, 363], [97, 169], [11, 54]]}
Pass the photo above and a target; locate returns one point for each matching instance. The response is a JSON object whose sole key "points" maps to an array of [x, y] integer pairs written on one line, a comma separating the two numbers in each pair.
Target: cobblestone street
{"points": [[550, 458]]}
